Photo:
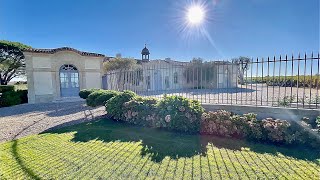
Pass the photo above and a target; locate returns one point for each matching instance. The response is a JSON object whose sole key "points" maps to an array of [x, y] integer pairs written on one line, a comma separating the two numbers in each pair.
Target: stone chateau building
{"points": [[57, 74]]}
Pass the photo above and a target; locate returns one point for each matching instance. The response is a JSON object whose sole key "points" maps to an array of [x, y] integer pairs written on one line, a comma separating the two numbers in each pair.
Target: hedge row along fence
{"points": [[184, 115], [10, 97], [287, 81]]}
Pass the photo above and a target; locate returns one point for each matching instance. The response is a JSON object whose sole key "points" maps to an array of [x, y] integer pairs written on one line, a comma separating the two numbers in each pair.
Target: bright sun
{"points": [[195, 15]]}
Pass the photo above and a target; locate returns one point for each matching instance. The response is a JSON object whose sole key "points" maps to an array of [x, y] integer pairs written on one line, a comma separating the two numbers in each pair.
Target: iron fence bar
{"points": [[310, 95], [268, 79], [285, 77], [292, 80], [257, 83], [246, 86], [218, 81], [251, 65], [317, 97], [298, 82], [279, 79], [197, 83], [262, 80], [273, 80], [237, 82], [193, 76], [304, 80], [223, 78], [201, 83]]}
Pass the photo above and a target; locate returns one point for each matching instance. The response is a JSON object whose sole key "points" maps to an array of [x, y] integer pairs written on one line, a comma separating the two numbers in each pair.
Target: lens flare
{"points": [[194, 20], [195, 15]]}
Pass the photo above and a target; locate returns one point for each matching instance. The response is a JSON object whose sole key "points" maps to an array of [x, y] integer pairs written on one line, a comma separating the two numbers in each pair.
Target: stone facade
{"points": [[43, 66]]}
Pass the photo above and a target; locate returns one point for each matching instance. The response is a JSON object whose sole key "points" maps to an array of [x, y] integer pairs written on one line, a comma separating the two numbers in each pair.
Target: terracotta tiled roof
{"points": [[52, 51]]}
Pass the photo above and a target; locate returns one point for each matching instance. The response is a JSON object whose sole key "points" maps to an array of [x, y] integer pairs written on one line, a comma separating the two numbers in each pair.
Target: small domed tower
{"points": [[145, 54]]}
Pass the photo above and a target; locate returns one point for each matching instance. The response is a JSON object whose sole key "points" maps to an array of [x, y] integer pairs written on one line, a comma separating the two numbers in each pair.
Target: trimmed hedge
{"points": [[10, 98], [100, 97], [84, 93], [5, 88]]}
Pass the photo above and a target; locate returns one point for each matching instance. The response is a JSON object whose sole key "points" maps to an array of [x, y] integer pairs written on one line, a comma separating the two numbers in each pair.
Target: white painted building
{"points": [[53, 74]]}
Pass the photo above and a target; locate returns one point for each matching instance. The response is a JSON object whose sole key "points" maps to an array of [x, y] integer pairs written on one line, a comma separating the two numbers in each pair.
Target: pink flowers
{"points": [[182, 108], [167, 118]]}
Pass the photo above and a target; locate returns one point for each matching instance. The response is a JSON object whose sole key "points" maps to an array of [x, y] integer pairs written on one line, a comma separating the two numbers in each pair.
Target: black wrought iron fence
{"points": [[278, 81]]}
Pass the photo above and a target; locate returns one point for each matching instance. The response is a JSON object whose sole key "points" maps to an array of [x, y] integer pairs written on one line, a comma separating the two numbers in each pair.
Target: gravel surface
{"points": [[26, 119]]}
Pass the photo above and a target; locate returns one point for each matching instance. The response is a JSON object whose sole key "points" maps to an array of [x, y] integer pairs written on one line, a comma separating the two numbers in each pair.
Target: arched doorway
{"points": [[69, 80]]}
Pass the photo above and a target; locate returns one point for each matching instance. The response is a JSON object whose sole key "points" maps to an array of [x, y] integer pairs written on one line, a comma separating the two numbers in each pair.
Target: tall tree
{"points": [[243, 65], [12, 62]]}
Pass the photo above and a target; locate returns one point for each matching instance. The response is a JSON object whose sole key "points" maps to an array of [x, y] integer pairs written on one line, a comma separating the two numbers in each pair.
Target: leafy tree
{"points": [[243, 65], [199, 72], [12, 62], [120, 64], [122, 68]]}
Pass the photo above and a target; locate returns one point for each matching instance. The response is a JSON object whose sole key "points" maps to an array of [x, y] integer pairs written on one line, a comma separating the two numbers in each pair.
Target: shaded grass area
{"points": [[105, 149]]}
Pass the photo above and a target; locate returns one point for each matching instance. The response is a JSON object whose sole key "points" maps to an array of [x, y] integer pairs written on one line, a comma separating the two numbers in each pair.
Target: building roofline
{"points": [[55, 50]]}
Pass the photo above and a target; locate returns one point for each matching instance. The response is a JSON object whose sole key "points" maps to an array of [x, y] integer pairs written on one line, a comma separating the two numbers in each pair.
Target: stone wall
{"points": [[43, 73]]}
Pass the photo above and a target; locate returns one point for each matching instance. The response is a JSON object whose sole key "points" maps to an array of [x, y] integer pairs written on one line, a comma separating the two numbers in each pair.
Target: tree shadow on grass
{"points": [[160, 143], [21, 163]]}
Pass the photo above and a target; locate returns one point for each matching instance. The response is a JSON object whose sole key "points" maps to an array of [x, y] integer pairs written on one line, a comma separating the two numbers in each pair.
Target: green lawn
{"points": [[111, 150]]}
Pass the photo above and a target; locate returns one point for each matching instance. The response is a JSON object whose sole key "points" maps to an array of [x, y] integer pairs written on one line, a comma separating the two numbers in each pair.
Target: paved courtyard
{"points": [[22, 120]]}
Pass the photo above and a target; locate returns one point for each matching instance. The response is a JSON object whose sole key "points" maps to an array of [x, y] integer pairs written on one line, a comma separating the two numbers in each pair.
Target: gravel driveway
{"points": [[22, 120]]}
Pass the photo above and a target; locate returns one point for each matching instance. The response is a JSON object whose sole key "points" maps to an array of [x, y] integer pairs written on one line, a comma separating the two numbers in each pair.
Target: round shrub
{"points": [[141, 111], [114, 106], [221, 123], [104, 97], [275, 130], [10, 98], [179, 113], [100, 97], [84, 93]]}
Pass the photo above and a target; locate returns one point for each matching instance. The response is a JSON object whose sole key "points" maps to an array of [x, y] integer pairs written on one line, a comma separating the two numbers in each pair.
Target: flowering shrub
{"points": [[141, 111], [275, 130], [220, 123], [115, 105], [179, 113], [223, 123]]}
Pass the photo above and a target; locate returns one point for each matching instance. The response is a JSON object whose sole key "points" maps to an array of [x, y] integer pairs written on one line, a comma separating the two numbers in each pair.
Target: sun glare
{"points": [[195, 15]]}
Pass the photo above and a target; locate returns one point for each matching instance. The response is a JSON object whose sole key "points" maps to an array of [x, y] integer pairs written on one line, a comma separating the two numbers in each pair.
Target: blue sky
{"points": [[254, 28]]}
